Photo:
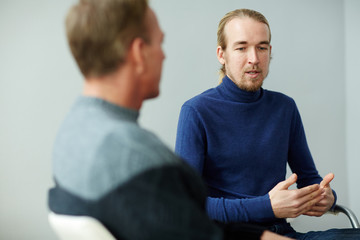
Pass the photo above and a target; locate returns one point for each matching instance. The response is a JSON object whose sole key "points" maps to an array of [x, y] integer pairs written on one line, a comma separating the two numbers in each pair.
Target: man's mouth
{"points": [[253, 74]]}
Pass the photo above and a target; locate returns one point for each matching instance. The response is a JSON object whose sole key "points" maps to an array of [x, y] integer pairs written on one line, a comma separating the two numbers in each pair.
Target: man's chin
{"points": [[153, 95], [253, 87]]}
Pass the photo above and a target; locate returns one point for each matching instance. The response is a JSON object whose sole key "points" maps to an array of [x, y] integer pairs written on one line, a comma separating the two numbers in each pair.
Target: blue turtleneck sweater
{"points": [[240, 142]]}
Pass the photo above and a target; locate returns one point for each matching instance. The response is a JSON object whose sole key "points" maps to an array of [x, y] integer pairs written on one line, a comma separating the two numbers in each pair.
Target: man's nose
{"points": [[253, 57]]}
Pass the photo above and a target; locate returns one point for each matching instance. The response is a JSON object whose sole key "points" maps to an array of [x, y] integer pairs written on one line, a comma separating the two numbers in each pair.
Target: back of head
{"points": [[238, 13], [100, 32]]}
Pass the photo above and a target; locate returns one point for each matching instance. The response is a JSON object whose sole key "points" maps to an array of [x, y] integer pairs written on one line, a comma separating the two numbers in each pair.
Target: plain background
{"points": [[315, 61]]}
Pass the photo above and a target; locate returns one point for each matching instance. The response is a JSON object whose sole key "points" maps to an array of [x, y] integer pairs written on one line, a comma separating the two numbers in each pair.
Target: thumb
{"points": [[326, 180], [288, 182]]}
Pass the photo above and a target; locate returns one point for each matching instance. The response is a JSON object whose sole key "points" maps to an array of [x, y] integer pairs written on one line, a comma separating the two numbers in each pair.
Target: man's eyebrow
{"points": [[240, 42], [245, 42], [265, 42]]}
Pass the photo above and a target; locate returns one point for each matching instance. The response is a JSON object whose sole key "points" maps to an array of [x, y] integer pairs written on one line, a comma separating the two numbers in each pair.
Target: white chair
{"points": [[78, 227]]}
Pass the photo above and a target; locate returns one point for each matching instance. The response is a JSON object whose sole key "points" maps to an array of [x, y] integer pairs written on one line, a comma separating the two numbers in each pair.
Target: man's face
{"points": [[247, 55], [154, 56]]}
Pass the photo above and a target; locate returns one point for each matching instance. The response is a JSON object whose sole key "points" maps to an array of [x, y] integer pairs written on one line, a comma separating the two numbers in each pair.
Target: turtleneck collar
{"points": [[229, 89], [110, 108]]}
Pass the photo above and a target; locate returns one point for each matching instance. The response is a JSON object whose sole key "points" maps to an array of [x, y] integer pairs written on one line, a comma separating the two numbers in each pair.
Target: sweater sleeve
{"points": [[299, 158], [191, 146], [252, 210], [191, 139]]}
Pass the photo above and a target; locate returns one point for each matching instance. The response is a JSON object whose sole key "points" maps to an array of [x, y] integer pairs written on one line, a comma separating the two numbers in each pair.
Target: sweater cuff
{"points": [[335, 196], [260, 209]]}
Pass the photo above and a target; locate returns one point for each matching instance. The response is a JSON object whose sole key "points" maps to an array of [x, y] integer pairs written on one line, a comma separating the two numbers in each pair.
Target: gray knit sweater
{"points": [[106, 166]]}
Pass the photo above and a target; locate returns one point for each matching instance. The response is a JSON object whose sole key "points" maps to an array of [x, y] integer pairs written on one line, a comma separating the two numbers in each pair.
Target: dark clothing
{"points": [[241, 142], [107, 167]]}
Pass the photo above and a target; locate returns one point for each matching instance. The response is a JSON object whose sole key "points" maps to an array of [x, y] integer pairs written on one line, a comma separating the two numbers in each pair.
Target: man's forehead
{"points": [[245, 29]]}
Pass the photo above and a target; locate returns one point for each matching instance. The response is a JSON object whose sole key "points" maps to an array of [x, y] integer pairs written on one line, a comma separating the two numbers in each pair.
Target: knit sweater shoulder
{"points": [[106, 166], [241, 142]]}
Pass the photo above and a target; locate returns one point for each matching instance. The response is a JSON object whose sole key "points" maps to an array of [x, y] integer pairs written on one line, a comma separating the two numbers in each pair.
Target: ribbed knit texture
{"points": [[106, 166], [240, 143]]}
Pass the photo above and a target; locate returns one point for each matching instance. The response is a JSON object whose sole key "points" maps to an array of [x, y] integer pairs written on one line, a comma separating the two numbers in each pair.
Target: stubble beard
{"points": [[251, 85]]}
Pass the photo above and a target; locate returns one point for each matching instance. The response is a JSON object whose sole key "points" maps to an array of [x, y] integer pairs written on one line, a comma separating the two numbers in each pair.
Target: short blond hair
{"points": [[238, 13], [99, 33]]}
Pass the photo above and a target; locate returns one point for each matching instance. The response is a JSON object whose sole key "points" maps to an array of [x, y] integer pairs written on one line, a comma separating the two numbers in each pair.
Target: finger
{"points": [[288, 182], [309, 191], [309, 204], [321, 204], [319, 207], [313, 214], [326, 180], [317, 210]]}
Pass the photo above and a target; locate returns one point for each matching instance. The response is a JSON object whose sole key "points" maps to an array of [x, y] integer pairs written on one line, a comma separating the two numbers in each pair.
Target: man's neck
{"points": [[119, 88]]}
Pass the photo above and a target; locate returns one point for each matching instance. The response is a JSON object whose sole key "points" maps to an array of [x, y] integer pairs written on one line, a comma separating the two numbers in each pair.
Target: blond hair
{"points": [[238, 13], [99, 32]]}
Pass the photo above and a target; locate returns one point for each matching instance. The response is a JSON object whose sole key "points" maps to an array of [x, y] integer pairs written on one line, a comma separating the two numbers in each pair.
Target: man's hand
{"points": [[292, 203], [326, 203]]}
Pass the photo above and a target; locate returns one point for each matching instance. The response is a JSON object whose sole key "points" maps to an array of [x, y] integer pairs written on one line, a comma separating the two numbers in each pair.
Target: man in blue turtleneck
{"points": [[240, 137]]}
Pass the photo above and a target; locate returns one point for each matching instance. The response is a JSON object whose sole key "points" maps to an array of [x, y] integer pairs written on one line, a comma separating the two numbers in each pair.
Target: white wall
{"points": [[39, 81], [352, 60]]}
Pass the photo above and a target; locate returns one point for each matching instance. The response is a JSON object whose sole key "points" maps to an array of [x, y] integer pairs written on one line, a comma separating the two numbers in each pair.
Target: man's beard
{"points": [[255, 84], [251, 87]]}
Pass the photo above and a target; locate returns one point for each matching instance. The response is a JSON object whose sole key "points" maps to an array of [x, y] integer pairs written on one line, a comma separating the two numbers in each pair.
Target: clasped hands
{"points": [[313, 200]]}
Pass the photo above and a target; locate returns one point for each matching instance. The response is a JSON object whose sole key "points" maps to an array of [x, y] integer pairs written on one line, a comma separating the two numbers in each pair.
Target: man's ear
{"points": [[220, 55], [137, 55]]}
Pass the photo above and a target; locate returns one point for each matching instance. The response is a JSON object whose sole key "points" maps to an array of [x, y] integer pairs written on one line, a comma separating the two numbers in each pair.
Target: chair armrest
{"points": [[352, 217]]}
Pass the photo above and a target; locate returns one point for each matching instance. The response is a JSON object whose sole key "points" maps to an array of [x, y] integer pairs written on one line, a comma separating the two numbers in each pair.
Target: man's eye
{"points": [[263, 48], [240, 49]]}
